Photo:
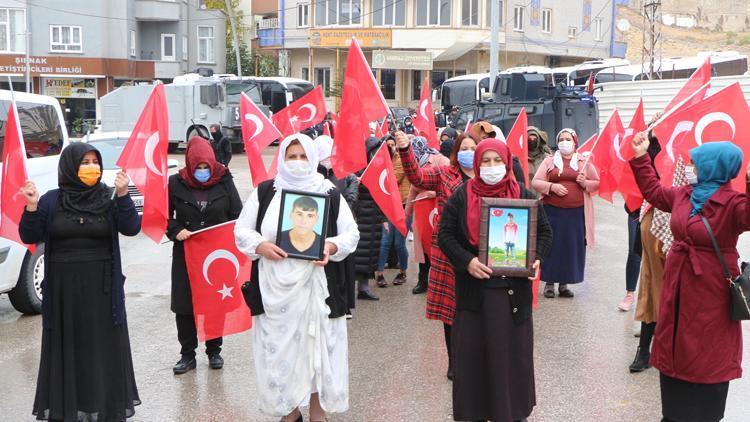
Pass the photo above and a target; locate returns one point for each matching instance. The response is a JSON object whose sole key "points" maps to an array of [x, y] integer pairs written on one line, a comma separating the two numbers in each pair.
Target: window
{"points": [[167, 47], [388, 83], [305, 73], [65, 39], [470, 12], [518, 18], [547, 21], [433, 12], [12, 30], [389, 13], [323, 78], [205, 44], [42, 129], [338, 12], [488, 13], [572, 31], [303, 15], [132, 43], [416, 84], [184, 47], [598, 29]]}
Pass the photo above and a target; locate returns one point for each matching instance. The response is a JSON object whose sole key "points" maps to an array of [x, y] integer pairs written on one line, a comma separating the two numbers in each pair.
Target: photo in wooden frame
{"points": [[507, 236], [303, 219]]}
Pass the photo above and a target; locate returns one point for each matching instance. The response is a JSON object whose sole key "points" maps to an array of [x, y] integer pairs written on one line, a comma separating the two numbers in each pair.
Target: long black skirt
{"points": [[683, 401], [566, 260], [493, 362], [86, 369]]}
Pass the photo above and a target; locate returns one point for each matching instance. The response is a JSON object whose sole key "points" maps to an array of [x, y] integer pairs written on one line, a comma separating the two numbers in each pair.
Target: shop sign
{"points": [[69, 88], [399, 59], [378, 38]]}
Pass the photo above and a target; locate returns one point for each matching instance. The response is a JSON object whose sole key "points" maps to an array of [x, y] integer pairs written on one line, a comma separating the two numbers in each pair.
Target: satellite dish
{"points": [[623, 25]]}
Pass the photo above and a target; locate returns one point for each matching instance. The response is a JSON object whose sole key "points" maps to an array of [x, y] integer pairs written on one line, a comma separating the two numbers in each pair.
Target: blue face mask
{"points": [[202, 175], [465, 159]]}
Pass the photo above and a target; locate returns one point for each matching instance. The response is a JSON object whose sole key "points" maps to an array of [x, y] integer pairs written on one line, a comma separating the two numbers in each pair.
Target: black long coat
{"points": [[224, 204], [370, 221]]}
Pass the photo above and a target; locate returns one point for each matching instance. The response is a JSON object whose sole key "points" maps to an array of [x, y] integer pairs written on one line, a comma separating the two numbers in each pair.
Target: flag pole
{"points": [[370, 163]]}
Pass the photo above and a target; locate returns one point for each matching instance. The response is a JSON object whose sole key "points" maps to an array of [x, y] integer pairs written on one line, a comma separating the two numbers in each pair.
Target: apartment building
{"points": [[79, 50], [408, 38]]}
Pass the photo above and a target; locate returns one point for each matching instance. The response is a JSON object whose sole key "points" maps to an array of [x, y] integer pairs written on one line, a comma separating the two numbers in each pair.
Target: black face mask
{"points": [[533, 145]]}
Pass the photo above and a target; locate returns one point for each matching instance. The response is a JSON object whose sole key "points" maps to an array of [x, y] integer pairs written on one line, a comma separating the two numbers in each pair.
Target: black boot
{"points": [[421, 287], [215, 361], [185, 364], [642, 355]]}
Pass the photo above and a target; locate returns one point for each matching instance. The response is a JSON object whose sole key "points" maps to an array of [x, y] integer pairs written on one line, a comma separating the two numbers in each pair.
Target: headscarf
{"points": [[476, 188], [557, 159], [78, 200], [198, 151], [325, 146], [483, 127], [421, 150], [447, 146], [310, 182], [716, 163], [216, 135], [542, 147]]}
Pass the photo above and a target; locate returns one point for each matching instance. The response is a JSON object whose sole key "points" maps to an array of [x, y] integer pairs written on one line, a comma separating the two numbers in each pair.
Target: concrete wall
{"points": [[715, 15]]}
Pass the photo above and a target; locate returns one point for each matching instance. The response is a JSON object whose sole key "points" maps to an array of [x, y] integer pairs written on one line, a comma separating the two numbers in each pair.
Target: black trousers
{"points": [[188, 337]]}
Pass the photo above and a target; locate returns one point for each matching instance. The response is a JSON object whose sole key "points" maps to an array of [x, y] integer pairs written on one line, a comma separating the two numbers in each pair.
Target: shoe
{"points": [[299, 418], [380, 281], [365, 295], [399, 279], [215, 361], [640, 363], [549, 291], [348, 315], [564, 291], [627, 303], [449, 374], [185, 364], [419, 288]]}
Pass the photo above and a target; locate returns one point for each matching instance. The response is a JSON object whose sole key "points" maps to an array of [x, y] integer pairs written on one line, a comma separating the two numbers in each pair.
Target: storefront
{"points": [[77, 98]]}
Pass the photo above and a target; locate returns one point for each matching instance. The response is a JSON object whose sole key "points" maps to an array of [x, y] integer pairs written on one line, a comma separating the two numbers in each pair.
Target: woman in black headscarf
{"points": [[86, 369]]}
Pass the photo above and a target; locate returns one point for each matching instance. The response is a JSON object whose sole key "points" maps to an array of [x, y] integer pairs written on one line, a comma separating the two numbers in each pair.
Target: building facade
{"points": [[79, 50], [446, 38]]}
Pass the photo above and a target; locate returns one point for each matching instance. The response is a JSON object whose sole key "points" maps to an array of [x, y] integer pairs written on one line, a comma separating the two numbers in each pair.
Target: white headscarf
{"points": [[557, 159], [310, 182], [325, 146]]}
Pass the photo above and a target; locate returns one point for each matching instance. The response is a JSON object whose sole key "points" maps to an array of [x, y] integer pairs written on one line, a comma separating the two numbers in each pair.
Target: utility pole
{"points": [[230, 12], [28, 53], [651, 35], [494, 43]]}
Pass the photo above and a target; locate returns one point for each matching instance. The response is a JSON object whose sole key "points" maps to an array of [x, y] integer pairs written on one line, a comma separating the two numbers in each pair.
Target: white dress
{"points": [[298, 349]]}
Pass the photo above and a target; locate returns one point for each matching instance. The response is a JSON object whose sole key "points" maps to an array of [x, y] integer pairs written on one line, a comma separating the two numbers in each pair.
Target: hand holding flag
{"points": [[380, 180]]}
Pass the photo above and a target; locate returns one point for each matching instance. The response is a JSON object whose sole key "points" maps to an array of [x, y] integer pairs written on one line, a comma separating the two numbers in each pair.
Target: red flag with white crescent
{"points": [[381, 130], [425, 220], [607, 158], [257, 133], [424, 122], [380, 180], [517, 142], [144, 159], [217, 269], [628, 187], [697, 81], [14, 176], [308, 111]]}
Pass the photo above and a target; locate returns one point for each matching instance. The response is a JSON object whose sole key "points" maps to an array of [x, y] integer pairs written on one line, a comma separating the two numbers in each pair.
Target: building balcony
{"points": [[271, 37], [271, 23], [157, 10], [265, 7]]}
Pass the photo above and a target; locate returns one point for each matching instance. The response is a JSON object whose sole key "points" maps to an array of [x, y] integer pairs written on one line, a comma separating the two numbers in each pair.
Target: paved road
{"points": [[397, 363]]}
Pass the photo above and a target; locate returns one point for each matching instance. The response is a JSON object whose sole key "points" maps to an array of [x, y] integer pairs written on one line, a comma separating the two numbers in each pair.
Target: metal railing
{"points": [[271, 23]]}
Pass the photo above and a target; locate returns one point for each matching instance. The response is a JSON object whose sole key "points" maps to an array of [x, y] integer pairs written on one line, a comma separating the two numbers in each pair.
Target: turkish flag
{"points": [[590, 84], [382, 130], [425, 219], [306, 112], [257, 133], [381, 182], [424, 122], [517, 144], [587, 146], [724, 116], [14, 177], [361, 103], [607, 158], [216, 270], [144, 159], [628, 187], [697, 81]]}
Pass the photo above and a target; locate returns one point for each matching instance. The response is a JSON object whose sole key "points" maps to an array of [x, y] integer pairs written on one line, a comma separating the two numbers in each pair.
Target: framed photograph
{"points": [[507, 236], [303, 217]]}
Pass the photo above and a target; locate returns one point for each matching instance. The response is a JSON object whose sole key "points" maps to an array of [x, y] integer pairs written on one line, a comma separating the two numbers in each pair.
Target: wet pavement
{"points": [[397, 360]]}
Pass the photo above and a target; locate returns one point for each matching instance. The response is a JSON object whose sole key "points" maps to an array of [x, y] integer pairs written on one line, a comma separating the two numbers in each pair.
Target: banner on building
{"points": [[535, 16], [586, 23], [399, 59], [378, 38], [69, 87]]}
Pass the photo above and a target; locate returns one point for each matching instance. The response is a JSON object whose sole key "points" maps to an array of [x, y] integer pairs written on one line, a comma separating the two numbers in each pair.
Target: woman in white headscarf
{"points": [[299, 333]]}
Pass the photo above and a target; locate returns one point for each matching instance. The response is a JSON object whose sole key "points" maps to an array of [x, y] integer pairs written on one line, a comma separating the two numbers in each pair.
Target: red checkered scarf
{"points": [[660, 222]]}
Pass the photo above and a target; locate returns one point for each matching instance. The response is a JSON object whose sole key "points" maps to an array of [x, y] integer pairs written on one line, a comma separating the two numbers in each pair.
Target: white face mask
{"points": [[566, 147], [492, 175], [690, 175], [297, 168]]}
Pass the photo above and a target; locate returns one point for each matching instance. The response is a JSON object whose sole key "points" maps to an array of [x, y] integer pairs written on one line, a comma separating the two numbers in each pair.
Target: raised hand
{"points": [[640, 144], [31, 195]]}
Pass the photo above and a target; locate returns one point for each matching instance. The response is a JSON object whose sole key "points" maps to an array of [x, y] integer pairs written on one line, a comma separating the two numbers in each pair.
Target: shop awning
{"points": [[463, 43]]}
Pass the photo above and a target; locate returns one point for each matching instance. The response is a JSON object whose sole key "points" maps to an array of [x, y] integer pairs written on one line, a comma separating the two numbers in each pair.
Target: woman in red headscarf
{"points": [[492, 341], [201, 195]]}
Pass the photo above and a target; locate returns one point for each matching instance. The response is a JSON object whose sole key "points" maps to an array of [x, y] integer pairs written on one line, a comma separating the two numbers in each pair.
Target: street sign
{"points": [[399, 59], [374, 38]]}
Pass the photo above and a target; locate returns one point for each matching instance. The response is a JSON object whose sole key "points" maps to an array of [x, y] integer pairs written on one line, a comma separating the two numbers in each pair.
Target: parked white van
{"points": [[44, 135]]}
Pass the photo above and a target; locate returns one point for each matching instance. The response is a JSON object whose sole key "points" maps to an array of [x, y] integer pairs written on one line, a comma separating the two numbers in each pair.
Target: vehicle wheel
{"points": [[26, 297], [172, 148], [238, 148]]}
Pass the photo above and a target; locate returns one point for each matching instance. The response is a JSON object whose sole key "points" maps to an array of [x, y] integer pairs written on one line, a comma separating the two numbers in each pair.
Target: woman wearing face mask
{"points": [[493, 330], [408, 126], [299, 328], [201, 195], [566, 181], [538, 149], [444, 180], [86, 368], [697, 346]]}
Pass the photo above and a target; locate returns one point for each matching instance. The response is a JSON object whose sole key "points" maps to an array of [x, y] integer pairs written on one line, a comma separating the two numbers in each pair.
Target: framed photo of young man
{"points": [[303, 218], [507, 236]]}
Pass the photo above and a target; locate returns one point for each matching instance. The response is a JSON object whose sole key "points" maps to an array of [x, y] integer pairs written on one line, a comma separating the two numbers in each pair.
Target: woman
{"points": [[86, 368], [444, 180], [299, 327], [538, 149], [697, 347], [566, 181], [493, 335], [201, 195]]}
